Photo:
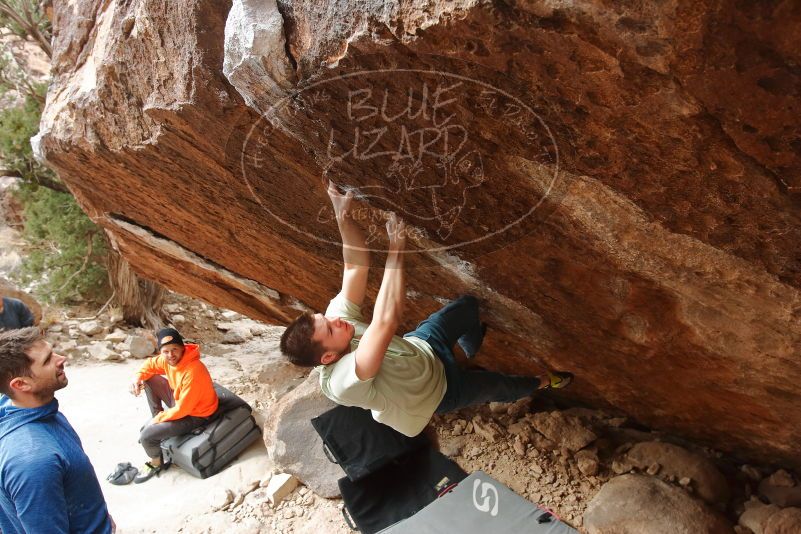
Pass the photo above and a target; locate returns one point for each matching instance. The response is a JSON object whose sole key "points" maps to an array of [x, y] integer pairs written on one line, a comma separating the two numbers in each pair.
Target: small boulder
{"points": [[102, 352], [69, 346], [236, 336], [115, 316], [219, 498], [519, 408], [498, 407], [751, 472], [259, 329], [116, 336], [781, 489], [639, 504], [756, 515], [519, 447], [489, 430], [178, 319], [566, 430], [785, 521], [587, 462], [231, 315], [140, 346], [781, 479], [279, 487], [452, 448], [522, 429], [90, 328], [679, 463]]}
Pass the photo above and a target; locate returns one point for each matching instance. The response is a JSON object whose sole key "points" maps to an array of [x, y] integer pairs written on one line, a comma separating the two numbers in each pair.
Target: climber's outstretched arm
{"points": [[354, 247]]}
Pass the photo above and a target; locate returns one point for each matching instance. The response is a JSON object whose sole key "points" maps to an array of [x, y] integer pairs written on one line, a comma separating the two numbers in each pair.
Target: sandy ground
{"points": [[107, 418]]}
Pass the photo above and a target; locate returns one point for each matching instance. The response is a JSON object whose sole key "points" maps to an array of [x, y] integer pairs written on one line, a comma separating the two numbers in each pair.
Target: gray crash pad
{"points": [[481, 504]]}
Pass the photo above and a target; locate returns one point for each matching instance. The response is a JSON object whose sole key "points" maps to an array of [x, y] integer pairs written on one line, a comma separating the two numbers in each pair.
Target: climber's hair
{"points": [[297, 343], [14, 358]]}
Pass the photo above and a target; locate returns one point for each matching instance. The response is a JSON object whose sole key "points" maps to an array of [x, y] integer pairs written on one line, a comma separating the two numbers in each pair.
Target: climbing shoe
{"points": [[559, 379], [149, 470]]}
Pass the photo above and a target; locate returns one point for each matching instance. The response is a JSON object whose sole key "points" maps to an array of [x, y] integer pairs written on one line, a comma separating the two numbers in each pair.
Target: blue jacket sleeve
{"points": [[38, 494]]}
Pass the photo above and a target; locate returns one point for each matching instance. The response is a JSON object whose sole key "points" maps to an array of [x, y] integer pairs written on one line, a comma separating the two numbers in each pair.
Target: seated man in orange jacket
{"points": [[188, 393]]}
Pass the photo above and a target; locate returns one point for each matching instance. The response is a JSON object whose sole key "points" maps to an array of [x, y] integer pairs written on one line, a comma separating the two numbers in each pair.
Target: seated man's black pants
{"points": [[158, 392]]}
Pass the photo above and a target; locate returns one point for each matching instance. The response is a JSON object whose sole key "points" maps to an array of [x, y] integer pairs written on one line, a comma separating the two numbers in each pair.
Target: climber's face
{"points": [[334, 335]]}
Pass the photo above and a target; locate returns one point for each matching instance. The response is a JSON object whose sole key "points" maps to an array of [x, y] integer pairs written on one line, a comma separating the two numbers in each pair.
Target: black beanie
{"points": [[165, 336]]}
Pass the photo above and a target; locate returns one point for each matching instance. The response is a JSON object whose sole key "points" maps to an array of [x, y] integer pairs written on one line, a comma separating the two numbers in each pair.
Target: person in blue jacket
{"points": [[14, 314], [47, 483]]}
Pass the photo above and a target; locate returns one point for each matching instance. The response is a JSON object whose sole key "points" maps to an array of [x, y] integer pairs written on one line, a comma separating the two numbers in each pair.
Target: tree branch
{"points": [[89, 247], [28, 25], [52, 184]]}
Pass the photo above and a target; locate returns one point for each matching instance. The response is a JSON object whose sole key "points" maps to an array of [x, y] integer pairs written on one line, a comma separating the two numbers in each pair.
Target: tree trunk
{"points": [[141, 300]]}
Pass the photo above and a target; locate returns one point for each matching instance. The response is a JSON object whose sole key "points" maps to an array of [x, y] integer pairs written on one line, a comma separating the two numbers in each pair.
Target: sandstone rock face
{"points": [[619, 184], [636, 504]]}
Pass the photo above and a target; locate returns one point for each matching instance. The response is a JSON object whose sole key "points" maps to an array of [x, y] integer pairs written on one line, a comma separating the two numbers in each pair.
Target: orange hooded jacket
{"points": [[190, 382]]}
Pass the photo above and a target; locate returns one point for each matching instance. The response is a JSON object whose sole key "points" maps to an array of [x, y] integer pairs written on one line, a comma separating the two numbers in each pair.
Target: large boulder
{"points": [[638, 504], [293, 444], [618, 183], [672, 461]]}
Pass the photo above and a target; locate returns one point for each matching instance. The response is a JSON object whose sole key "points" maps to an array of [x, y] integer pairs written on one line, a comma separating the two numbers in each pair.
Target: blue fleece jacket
{"points": [[47, 484], [15, 314]]}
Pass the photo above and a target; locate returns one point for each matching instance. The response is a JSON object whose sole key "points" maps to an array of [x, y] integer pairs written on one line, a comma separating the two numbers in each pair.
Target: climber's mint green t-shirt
{"points": [[408, 387]]}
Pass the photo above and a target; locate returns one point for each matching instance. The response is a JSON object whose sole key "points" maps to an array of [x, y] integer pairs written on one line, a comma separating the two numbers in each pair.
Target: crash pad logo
{"points": [[433, 145], [489, 497]]}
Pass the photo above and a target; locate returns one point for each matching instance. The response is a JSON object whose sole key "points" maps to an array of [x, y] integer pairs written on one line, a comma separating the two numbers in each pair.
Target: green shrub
{"points": [[17, 125], [68, 251], [67, 254]]}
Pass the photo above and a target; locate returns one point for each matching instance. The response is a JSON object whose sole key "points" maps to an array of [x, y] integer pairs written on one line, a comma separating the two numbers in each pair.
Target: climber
{"points": [[403, 381], [188, 393]]}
